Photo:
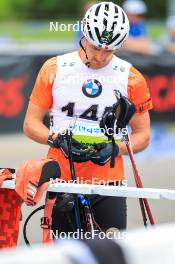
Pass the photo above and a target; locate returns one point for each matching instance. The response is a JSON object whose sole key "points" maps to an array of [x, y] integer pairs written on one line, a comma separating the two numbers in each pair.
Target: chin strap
{"points": [[81, 45]]}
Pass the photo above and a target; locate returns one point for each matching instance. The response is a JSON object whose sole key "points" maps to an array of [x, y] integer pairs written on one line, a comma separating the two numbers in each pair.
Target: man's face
{"points": [[98, 57]]}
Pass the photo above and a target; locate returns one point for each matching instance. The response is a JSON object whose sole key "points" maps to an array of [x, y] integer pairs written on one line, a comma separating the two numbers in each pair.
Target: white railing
{"points": [[119, 191]]}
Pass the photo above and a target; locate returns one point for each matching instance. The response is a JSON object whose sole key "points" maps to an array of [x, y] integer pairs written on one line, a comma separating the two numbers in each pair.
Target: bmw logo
{"points": [[92, 88]]}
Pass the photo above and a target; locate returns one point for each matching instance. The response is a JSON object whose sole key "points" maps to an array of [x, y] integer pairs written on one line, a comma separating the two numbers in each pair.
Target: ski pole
{"points": [[144, 203]]}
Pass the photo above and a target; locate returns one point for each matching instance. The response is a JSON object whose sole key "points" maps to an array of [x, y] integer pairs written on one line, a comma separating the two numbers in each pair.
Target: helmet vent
{"points": [[88, 27], [107, 7], [98, 34], [122, 39], [123, 17], [114, 24], [116, 9], [105, 22], [112, 40], [97, 10]]}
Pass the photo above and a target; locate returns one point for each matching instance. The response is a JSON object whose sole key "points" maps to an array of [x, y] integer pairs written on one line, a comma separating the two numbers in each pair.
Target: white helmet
{"points": [[106, 25]]}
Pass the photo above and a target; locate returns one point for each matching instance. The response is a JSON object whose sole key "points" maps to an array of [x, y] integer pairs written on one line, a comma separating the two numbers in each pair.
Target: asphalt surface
{"points": [[155, 172]]}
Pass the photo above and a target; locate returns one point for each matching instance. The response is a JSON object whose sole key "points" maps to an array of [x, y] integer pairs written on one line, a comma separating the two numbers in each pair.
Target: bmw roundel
{"points": [[92, 88]]}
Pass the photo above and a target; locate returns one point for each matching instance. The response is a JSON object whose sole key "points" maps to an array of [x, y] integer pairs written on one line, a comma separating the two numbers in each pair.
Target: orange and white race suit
{"points": [[68, 88]]}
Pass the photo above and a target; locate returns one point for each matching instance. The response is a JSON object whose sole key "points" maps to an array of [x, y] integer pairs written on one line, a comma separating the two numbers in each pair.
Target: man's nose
{"points": [[99, 57]]}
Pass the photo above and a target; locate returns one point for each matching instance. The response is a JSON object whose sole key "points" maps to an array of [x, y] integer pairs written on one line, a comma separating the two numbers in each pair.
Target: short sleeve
{"points": [[42, 91], [138, 91]]}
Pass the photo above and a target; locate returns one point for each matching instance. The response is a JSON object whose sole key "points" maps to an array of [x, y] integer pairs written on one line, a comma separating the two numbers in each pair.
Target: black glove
{"points": [[117, 116], [79, 151], [104, 152], [107, 123], [97, 153]]}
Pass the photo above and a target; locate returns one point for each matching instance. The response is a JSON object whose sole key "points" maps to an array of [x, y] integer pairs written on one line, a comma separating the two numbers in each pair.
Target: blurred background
{"points": [[27, 40]]}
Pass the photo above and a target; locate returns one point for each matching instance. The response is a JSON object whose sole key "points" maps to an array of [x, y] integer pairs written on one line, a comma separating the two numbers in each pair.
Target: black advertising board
{"points": [[17, 77], [18, 74], [159, 72]]}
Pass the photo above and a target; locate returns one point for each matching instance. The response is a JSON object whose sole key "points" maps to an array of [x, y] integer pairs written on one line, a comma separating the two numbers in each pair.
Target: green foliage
{"points": [[5, 8], [45, 9], [59, 9], [157, 9], [38, 9]]}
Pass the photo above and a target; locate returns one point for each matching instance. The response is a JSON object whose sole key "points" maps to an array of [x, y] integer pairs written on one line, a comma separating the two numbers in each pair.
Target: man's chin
{"points": [[97, 65]]}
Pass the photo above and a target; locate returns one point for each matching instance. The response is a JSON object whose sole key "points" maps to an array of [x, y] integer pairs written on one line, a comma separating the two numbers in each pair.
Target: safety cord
{"points": [[26, 222]]}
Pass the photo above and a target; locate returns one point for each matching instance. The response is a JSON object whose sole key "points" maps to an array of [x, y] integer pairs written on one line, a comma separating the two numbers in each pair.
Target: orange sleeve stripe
{"points": [[42, 91], [138, 91]]}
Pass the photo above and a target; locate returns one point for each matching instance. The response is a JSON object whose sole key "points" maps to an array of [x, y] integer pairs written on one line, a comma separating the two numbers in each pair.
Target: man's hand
{"points": [[53, 140]]}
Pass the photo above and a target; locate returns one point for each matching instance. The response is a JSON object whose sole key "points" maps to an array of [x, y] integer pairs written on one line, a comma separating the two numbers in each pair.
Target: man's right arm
{"points": [[33, 124], [40, 102]]}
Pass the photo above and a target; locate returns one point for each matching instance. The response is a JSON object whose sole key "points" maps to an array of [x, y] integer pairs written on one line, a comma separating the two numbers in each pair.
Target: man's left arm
{"points": [[138, 93], [140, 133]]}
